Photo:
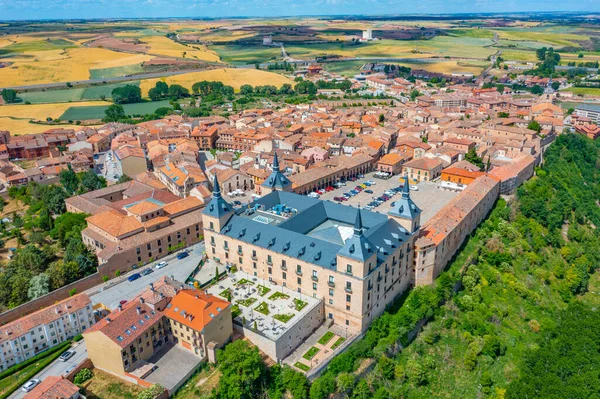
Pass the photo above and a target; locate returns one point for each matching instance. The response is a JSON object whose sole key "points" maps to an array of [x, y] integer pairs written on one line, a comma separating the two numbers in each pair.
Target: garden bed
{"points": [[279, 295], [326, 338], [301, 366], [283, 317], [246, 302], [262, 290], [243, 282], [299, 304], [339, 341], [311, 353], [263, 308]]}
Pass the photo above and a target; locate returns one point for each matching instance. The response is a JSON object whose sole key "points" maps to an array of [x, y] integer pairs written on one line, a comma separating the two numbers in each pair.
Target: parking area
{"points": [[428, 196], [173, 363]]}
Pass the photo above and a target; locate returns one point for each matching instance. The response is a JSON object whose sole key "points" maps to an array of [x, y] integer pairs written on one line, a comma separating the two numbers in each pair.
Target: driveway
{"points": [[173, 363], [57, 367], [112, 293]]}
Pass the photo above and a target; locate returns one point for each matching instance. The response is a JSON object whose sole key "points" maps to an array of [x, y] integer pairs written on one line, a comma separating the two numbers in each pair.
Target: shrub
{"points": [[83, 376]]}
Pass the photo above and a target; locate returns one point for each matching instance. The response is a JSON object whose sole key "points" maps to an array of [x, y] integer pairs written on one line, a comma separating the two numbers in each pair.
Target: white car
{"points": [[414, 188], [66, 356], [29, 385], [161, 265]]}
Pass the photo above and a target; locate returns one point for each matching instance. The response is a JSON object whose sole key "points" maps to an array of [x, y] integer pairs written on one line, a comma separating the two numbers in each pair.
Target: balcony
{"points": [[240, 253], [299, 272], [269, 262], [331, 284], [225, 247], [387, 269], [349, 290], [315, 278], [284, 267], [379, 278], [254, 257]]}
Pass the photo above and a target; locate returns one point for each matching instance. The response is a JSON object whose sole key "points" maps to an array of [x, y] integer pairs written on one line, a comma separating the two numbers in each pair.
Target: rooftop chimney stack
{"points": [[142, 300], [139, 310], [120, 308]]}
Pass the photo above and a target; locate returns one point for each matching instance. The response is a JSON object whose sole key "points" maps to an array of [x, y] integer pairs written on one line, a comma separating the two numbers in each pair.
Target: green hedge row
{"points": [[50, 357]]}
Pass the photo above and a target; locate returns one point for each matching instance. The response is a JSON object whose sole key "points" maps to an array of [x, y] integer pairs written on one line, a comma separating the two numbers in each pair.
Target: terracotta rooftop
{"points": [[194, 309], [53, 387]]}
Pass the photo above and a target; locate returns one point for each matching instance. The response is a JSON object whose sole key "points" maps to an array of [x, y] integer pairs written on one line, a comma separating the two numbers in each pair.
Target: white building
{"points": [[28, 336], [367, 34]]}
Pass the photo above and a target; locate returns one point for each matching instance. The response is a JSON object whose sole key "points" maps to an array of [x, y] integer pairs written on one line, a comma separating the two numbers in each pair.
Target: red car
{"points": [[329, 188], [343, 199], [123, 302], [358, 188]]}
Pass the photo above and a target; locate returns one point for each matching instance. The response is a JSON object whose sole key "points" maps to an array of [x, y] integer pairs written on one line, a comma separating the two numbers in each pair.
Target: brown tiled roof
{"points": [[424, 163], [43, 316], [115, 223], [53, 387], [194, 309]]}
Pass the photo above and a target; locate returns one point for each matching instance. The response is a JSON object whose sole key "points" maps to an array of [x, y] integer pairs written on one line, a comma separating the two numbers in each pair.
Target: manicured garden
{"points": [[337, 343], [299, 304], [283, 317], [262, 290], [312, 352], [246, 302], [326, 338], [263, 308], [302, 366], [279, 295], [243, 282]]}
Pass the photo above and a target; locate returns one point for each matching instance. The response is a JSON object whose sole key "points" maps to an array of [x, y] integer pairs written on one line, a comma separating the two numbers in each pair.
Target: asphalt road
{"points": [[57, 367], [113, 293]]}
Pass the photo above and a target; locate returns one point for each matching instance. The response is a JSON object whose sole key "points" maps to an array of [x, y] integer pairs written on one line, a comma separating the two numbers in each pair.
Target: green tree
{"points": [[178, 91], [69, 180], [90, 181], [38, 286], [127, 94], [534, 125], [242, 371], [246, 89], [475, 159], [9, 96], [114, 113]]}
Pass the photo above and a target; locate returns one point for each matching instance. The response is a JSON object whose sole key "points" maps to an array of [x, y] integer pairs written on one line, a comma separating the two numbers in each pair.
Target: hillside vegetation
{"points": [[518, 327]]}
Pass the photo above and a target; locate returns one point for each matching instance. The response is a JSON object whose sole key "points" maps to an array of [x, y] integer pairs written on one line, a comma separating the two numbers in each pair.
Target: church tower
{"points": [[405, 211]]}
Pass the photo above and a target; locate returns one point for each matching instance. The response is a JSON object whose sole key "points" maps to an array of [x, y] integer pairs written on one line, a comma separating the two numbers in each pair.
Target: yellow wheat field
{"points": [[15, 118], [161, 45], [62, 65], [229, 76]]}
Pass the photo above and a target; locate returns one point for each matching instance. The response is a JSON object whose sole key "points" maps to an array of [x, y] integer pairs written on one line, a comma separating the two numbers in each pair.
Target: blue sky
{"points": [[50, 9]]}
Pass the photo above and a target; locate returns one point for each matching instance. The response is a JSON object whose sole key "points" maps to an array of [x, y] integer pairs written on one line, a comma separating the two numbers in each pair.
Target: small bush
{"points": [[83, 376]]}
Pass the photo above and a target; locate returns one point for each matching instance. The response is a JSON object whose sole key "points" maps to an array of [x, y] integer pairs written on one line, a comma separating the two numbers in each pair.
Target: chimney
{"points": [[152, 287], [120, 308], [108, 320], [142, 300], [139, 310]]}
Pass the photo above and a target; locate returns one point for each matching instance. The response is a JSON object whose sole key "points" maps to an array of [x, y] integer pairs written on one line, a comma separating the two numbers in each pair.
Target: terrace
{"points": [[261, 308]]}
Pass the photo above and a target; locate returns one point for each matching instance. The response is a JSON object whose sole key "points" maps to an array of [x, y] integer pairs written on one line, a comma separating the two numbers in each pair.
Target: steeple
{"points": [[275, 163], [358, 227], [405, 211], [216, 188]]}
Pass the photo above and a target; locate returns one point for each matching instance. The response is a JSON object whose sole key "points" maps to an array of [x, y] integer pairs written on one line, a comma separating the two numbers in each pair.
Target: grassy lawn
{"points": [[299, 304], [246, 302], [53, 96], [262, 290], [246, 54], [13, 382], [311, 353], [326, 338], [105, 73], [339, 341], [301, 366], [201, 383], [105, 386], [278, 295], [263, 308], [583, 91], [243, 282], [235, 311], [344, 68], [283, 317], [97, 111]]}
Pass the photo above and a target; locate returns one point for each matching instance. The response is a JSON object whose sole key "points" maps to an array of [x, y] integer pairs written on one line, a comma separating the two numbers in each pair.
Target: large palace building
{"points": [[355, 260]]}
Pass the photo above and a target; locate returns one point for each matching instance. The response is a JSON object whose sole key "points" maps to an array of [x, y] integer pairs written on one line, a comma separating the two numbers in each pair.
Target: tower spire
{"points": [[216, 188], [275, 163], [358, 226], [405, 187]]}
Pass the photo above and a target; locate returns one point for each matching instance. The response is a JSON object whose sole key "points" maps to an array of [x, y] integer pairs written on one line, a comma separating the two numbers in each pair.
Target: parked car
{"points": [[147, 271], [346, 195], [330, 188], [371, 182], [414, 188], [354, 179], [338, 199], [134, 277], [237, 203], [344, 198], [368, 184], [66, 356], [161, 265], [369, 191], [29, 385], [367, 208], [183, 255], [123, 302], [364, 185]]}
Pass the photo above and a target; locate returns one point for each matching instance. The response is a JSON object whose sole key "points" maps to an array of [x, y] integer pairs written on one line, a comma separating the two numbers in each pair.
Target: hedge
{"points": [[36, 358], [50, 357]]}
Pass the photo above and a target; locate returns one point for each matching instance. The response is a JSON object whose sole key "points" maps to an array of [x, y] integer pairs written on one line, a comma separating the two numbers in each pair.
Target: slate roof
{"points": [[217, 206], [378, 233], [276, 179], [405, 207]]}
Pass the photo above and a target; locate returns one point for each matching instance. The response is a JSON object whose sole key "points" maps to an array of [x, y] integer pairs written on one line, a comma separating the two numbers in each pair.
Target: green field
{"points": [[241, 55], [97, 112], [344, 68], [106, 73], [37, 45], [581, 91], [76, 94], [53, 96]]}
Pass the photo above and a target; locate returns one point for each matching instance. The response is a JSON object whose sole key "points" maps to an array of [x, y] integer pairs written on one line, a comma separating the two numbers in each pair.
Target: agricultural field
{"points": [[94, 112], [246, 54], [581, 91], [74, 94], [163, 46], [229, 76]]}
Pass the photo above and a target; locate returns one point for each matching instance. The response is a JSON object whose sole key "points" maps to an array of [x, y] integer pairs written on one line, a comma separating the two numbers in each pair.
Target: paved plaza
{"points": [[172, 364]]}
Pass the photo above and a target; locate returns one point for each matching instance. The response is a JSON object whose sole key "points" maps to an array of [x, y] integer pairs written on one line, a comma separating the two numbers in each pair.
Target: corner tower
{"points": [[405, 211], [276, 180], [218, 211]]}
